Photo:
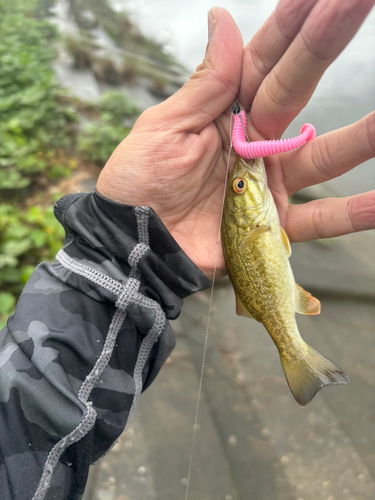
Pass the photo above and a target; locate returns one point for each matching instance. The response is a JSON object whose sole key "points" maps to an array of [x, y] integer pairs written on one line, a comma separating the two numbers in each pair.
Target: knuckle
{"points": [[346, 14], [321, 158], [310, 47], [257, 60], [279, 93], [287, 15], [218, 79], [317, 220], [369, 124], [279, 19], [351, 215]]}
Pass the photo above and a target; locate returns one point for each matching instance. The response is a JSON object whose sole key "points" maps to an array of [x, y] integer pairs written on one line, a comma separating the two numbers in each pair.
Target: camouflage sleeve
{"points": [[89, 333]]}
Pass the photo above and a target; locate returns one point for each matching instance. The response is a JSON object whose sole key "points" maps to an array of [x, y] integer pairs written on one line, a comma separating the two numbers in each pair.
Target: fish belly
{"points": [[264, 284]]}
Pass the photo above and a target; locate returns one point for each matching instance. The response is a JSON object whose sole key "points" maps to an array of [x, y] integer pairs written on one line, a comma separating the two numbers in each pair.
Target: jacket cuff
{"points": [[107, 232]]}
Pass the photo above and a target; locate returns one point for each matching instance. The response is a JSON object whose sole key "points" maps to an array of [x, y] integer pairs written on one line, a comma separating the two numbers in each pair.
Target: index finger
{"points": [[288, 87], [269, 44]]}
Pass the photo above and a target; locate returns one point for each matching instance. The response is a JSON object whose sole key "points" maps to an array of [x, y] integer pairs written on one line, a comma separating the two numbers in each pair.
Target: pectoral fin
{"points": [[252, 235], [240, 309], [286, 242], [305, 302]]}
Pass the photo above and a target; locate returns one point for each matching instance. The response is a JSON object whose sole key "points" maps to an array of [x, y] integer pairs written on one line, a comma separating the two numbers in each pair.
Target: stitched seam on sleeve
{"points": [[143, 214], [127, 294], [147, 343], [89, 273], [78, 433]]}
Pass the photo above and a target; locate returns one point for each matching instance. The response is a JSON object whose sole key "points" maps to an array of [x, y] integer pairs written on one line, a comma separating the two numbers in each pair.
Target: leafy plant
{"points": [[27, 237], [33, 121], [125, 33], [98, 139], [81, 48], [40, 138], [115, 107]]}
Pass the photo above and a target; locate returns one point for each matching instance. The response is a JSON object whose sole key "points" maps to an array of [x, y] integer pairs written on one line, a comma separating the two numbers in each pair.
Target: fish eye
{"points": [[239, 185]]}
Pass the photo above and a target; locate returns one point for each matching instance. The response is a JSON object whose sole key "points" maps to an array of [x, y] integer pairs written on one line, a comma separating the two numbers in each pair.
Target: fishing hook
{"points": [[259, 149]]}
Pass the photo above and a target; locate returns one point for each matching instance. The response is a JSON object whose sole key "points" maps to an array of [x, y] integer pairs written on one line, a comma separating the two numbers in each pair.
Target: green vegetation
{"points": [[44, 135], [90, 14], [34, 126], [27, 236], [137, 56], [36, 132], [38, 126], [99, 137]]}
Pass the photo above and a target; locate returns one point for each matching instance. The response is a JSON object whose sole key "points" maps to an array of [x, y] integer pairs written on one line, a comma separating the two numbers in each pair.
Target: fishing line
{"points": [[239, 140], [209, 314], [335, 123], [244, 129]]}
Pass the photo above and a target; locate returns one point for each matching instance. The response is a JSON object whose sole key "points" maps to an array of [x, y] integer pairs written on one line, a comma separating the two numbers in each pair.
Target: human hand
{"points": [[174, 160]]}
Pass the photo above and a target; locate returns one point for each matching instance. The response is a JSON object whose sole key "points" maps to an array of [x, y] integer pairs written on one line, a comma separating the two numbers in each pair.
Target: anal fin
{"points": [[306, 303]]}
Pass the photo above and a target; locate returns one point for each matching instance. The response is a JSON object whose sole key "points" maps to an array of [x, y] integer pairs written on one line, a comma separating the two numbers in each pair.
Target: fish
{"points": [[256, 252]]}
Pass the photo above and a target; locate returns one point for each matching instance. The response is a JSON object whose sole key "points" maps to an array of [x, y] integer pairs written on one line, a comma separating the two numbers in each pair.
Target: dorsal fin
{"points": [[305, 302]]}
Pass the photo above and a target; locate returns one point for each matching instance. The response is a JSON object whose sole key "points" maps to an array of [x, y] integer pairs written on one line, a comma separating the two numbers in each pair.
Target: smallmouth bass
{"points": [[256, 252]]}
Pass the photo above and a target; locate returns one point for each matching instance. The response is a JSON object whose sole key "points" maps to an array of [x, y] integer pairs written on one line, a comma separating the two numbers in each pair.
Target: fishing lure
{"points": [[259, 149]]}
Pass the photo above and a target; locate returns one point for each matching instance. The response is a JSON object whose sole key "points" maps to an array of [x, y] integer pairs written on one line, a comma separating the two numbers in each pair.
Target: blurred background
{"points": [[74, 75]]}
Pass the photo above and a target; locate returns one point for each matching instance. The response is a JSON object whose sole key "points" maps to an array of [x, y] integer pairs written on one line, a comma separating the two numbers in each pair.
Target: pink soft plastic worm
{"points": [[258, 149]]}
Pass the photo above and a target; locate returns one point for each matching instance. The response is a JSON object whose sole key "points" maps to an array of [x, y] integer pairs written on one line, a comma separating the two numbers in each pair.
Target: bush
{"points": [[115, 107], [98, 139], [27, 236], [38, 139], [33, 122]]}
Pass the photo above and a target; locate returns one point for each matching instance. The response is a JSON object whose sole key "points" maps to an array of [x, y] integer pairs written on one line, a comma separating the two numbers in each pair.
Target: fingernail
{"points": [[211, 24]]}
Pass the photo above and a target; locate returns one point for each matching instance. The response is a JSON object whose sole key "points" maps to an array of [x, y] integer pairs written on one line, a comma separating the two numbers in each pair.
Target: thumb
{"points": [[215, 83]]}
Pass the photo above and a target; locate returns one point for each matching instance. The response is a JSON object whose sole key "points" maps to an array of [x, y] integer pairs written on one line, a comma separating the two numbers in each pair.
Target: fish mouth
{"points": [[252, 169]]}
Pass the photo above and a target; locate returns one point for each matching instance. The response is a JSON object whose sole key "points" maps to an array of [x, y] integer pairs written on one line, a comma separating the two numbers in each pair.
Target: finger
{"points": [[269, 44], [329, 155], [287, 89], [331, 217], [215, 83]]}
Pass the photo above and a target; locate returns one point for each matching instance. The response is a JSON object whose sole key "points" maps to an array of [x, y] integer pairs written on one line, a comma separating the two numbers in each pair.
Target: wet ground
{"points": [[252, 440]]}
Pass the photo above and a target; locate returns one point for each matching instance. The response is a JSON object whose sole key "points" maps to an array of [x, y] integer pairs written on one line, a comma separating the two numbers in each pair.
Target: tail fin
{"points": [[306, 374]]}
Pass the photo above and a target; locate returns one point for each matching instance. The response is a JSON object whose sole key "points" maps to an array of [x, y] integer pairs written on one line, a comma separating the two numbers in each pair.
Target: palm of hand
{"points": [[182, 177], [199, 195]]}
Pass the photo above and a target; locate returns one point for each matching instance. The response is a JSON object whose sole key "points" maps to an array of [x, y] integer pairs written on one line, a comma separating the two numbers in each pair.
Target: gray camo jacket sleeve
{"points": [[89, 333]]}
